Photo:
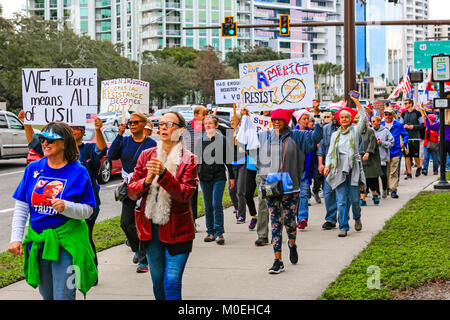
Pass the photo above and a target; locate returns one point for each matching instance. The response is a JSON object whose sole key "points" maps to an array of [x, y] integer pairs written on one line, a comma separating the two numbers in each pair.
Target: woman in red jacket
{"points": [[164, 180]]}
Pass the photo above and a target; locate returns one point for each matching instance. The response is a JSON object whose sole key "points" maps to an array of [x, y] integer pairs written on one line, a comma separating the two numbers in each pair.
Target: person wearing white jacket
{"points": [[385, 141]]}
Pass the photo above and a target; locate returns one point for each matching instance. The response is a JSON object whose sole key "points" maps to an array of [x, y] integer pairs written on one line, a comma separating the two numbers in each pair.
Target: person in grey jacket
{"points": [[385, 141]]}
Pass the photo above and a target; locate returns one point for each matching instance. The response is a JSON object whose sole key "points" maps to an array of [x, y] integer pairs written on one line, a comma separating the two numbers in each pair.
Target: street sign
{"points": [[441, 103], [424, 50], [441, 68]]}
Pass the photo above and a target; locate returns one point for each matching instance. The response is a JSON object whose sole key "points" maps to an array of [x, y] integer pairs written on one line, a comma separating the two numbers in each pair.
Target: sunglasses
{"points": [[135, 123], [326, 117], [169, 124], [49, 141]]}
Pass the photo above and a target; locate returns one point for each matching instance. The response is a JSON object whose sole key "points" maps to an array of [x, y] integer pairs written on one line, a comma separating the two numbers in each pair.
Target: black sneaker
{"points": [[328, 225], [317, 197], [394, 195], [418, 171], [277, 267], [408, 176], [240, 220], [261, 242], [293, 255]]}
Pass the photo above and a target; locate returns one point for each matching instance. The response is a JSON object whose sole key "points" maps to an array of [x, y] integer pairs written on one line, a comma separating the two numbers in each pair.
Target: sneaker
{"points": [[293, 255], [358, 225], [302, 224], [252, 224], [362, 203], [418, 171], [261, 242], [342, 234], [317, 197], [424, 172], [376, 200], [240, 220], [277, 267], [209, 238], [142, 268], [136, 258], [408, 176], [220, 240], [328, 225], [385, 194], [435, 173], [394, 195]]}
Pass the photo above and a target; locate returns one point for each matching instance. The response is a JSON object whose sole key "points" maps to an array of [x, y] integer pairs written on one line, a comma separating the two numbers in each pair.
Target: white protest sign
{"points": [[227, 91], [125, 95], [260, 122], [58, 95], [281, 84]]}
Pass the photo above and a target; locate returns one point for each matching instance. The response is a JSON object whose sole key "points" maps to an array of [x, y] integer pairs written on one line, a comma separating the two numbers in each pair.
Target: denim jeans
{"points": [[305, 192], [329, 196], [212, 196], [57, 277], [345, 192], [166, 271], [436, 159]]}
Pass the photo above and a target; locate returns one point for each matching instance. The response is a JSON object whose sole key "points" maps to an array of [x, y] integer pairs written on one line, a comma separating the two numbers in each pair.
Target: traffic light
{"points": [[284, 25], [229, 27]]}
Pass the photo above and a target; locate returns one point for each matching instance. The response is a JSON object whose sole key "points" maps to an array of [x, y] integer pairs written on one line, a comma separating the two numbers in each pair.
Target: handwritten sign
{"points": [[58, 95], [227, 91], [261, 123], [269, 85], [125, 95]]}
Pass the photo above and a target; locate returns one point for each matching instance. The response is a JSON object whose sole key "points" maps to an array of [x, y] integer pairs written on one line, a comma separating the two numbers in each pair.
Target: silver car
{"points": [[13, 142]]}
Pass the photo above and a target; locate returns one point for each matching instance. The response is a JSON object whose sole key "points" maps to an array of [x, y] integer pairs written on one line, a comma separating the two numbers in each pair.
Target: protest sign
{"points": [[58, 95], [125, 95], [227, 91], [261, 123], [269, 85]]}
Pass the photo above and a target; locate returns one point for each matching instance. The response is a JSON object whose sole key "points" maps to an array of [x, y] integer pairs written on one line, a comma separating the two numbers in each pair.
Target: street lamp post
{"points": [[349, 49]]}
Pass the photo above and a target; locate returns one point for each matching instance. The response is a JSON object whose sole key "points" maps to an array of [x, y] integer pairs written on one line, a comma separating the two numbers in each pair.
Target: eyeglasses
{"points": [[169, 124], [135, 123], [326, 117], [49, 141], [388, 114]]}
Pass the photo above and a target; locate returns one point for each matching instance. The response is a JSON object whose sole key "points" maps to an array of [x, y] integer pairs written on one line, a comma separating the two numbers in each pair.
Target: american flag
{"points": [[404, 86]]}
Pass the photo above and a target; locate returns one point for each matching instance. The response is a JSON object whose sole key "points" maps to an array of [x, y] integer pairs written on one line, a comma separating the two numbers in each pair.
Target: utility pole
{"points": [[349, 49]]}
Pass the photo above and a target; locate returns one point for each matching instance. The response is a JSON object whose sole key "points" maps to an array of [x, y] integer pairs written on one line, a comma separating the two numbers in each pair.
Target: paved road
{"points": [[11, 172]]}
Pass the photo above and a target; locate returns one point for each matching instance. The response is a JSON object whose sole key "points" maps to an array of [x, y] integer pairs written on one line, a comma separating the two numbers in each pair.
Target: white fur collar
{"points": [[157, 207]]}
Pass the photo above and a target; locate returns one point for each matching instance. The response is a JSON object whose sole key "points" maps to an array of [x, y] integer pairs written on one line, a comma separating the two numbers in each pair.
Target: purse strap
{"points": [[284, 153], [142, 142]]}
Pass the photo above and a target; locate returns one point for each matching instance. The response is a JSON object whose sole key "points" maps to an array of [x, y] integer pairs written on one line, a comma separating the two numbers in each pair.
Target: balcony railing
{"points": [[104, 3], [173, 32]]}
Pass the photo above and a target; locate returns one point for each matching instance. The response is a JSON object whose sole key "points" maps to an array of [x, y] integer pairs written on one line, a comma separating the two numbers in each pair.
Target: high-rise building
{"points": [[439, 32], [414, 10]]}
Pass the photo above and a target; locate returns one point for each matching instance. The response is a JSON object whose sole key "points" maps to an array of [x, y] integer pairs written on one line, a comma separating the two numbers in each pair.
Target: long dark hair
{"points": [[71, 152]]}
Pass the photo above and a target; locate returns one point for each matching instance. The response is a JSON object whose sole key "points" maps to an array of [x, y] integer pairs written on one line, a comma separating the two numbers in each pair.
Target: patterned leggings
{"points": [[283, 211]]}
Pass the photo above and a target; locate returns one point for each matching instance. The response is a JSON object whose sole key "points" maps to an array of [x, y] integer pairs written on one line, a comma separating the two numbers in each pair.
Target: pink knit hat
{"points": [[299, 113], [432, 117], [285, 114]]}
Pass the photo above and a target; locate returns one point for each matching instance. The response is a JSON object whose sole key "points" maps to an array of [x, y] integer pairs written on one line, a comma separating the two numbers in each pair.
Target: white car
{"points": [[13, 143], [113, 118]]}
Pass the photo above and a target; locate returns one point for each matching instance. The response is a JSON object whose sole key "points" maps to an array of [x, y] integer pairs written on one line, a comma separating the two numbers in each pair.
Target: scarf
{"points": [[157, 207], [335, 152]]}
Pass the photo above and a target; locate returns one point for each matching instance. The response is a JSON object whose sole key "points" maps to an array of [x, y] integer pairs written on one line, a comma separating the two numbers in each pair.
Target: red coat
{"points": [[180, 188]]}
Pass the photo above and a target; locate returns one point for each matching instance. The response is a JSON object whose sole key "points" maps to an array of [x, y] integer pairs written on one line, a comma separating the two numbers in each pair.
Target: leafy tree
{"points": [[253, 54], [183, 56]]}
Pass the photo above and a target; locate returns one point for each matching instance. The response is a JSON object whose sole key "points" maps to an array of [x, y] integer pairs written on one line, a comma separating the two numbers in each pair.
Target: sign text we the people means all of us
{"points": [[59, 95], [125, 95], [269, 85], [227, 91]]}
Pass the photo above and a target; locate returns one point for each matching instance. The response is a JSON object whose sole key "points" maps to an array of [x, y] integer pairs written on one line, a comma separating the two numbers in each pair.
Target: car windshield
{"points": [[89, 134], [159, 112]]}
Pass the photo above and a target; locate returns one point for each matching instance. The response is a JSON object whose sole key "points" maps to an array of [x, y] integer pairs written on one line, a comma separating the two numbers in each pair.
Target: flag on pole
{"points": [[404, 86]]}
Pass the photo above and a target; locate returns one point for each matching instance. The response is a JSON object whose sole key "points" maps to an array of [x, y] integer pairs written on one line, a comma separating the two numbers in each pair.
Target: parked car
{"points": [[13, 142], [186, 111], [113, 118], [156, 116], [108, 167]]}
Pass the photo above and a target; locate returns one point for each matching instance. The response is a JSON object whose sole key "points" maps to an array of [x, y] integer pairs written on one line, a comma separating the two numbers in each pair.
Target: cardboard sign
{"points": [[269, 85], [227, 91], [125, 95], [260, 122], [58, 95]]}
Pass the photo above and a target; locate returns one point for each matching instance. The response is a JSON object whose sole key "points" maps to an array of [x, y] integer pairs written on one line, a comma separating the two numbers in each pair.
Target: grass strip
{"points": [[107, 234], [412, 249]]}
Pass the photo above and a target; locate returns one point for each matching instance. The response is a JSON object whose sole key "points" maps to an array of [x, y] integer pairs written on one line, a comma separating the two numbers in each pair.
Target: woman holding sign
{"points": [[57, 193], [128, 150], [165, 179], [280, 163]]}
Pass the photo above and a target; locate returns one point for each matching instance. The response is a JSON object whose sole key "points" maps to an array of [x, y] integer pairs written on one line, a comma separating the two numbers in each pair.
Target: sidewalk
{"points": [[238, 270]]}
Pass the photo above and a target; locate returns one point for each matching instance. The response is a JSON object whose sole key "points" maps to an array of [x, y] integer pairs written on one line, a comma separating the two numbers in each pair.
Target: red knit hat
{"points": [[285, 114], [353, 112]]}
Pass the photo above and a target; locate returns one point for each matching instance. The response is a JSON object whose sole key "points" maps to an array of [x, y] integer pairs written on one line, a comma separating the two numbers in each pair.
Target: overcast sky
{"points": [[439, 9]]}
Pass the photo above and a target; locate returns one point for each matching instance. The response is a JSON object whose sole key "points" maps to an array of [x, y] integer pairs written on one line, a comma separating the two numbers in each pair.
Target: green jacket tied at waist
{"points": [[73, 237]]}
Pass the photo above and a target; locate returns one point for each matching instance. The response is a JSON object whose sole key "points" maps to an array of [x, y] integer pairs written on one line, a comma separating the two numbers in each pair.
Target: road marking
{"points": [[6, 210], [9, 173]]}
